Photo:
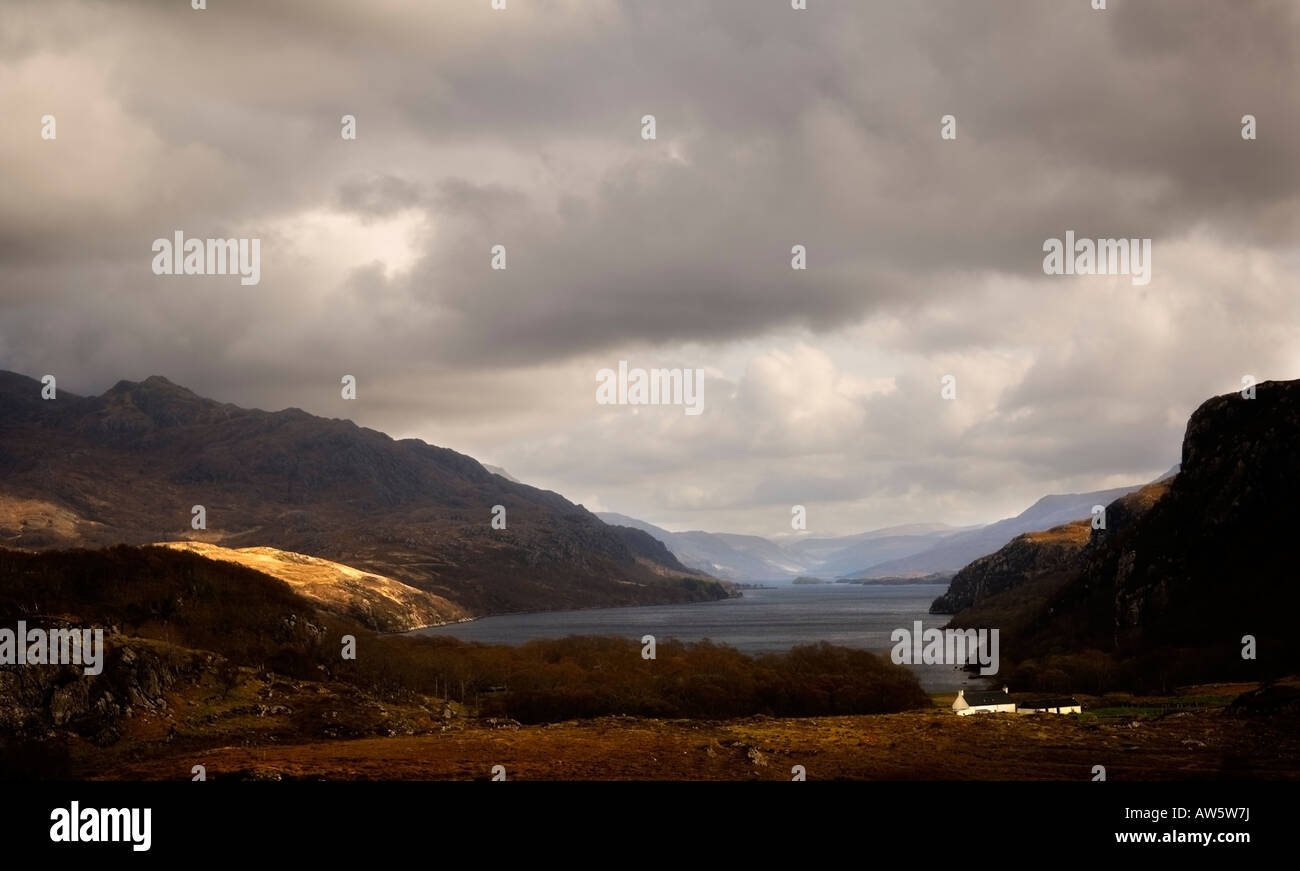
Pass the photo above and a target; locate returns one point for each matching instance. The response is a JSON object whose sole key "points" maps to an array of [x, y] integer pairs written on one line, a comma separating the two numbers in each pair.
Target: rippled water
{"points": [[851, 615]]}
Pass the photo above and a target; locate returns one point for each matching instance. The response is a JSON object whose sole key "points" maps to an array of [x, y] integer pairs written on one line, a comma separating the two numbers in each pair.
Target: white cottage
{"points": [[980, 702]]}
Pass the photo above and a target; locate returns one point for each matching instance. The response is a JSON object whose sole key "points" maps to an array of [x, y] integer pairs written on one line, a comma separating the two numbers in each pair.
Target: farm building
{"points": [[983, 702]]}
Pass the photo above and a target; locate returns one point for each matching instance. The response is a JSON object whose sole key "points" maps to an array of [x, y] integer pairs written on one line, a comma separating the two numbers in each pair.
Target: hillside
{"points": [[210, 650], [956, 551], [372, 600], [1183, 571], [908, 551], [734, 557], [1213, 555], [209, 662], [1024, 559], [127, 467], [857, 556]]}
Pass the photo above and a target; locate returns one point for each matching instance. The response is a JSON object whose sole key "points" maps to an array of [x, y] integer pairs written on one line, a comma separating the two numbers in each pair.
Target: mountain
{"points": [[1020, 561], [858, 557], [1008, 588], [1184, 571], [959, 549], [754, 558], [824, 550], [911, 550], [767, 552], [614, 519], [1036, 553], [733, 557], [1215, 551], [128, 466]]}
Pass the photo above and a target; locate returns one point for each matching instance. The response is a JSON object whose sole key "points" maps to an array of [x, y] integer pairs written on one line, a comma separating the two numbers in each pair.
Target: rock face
{"points": [[1186, 567], [127, 467], [1020, 561], [1215, 553], [170, 619], [1035, 555], [37, 700]]}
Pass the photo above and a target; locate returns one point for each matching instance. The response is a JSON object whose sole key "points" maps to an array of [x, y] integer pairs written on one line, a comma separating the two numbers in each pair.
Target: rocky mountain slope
{"points": [[1214, 553], [128, 466], [1036, 555], [1020, 561], [1185, 569]]}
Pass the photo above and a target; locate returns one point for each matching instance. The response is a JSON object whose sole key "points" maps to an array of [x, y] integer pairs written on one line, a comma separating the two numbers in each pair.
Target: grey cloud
{"points": [[775, 128]]}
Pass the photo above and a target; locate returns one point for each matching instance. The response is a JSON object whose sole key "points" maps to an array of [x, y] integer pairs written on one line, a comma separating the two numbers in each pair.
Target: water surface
{"points": [[762, 621]]}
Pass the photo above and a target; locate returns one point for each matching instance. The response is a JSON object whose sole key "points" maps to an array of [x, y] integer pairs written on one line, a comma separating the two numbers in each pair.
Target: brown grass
{"points": [[920, 745]]}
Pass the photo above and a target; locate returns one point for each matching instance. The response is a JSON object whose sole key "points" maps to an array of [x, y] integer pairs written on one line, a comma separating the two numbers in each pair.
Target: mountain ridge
{"points": [[907, 550], [127, 467]]}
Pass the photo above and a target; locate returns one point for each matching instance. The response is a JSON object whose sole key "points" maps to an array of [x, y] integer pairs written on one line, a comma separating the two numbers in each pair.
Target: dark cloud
{"points": [[775, 127]]}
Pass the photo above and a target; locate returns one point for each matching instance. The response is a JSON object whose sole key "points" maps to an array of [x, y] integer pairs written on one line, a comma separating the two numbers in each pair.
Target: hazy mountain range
{"points": [[897, 551]]}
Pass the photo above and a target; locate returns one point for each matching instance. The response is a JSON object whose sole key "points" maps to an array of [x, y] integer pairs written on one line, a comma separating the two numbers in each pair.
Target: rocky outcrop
{"points": [[1188, 567], [38, 701], [1020, 561], [1061, 549], [1214, 554]]}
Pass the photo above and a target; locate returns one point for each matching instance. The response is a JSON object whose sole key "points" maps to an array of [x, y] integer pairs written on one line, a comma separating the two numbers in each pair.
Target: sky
{"points": [[774, 127]]}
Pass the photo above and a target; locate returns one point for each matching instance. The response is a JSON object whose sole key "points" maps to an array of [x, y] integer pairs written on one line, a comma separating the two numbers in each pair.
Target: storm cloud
{"points": [[775, 128]]}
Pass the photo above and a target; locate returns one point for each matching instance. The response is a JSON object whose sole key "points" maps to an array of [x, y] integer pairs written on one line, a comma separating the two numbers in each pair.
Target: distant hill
{"points": [[935, 579], [958, 550], [907, 551], [127, 466], [848, 556], [734, 557]]}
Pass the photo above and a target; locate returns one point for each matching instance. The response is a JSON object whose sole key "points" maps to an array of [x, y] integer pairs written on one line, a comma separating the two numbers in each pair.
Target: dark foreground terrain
{"points": [[210, 663], [278, 729], [932, 745]]}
